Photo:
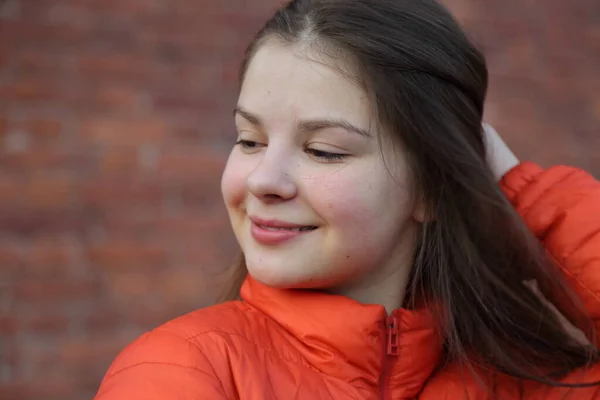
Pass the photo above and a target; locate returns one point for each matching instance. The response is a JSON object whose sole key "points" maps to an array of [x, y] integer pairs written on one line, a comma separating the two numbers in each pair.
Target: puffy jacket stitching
{"points": [[563, 259], [574, 277], [269, 350], [161, 363], [526, 177], [270, 320], [527, 211], [591, 236], [515, 187], [323, 376], [215, 375]]}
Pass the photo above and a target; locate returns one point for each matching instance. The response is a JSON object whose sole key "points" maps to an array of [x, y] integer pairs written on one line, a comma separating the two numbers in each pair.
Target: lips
{"points": [[275, 229], [276, 224], [272, 231]]}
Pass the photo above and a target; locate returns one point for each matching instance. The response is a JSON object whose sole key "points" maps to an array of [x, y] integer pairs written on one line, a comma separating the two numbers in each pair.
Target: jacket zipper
{"points": [[390, 350]]}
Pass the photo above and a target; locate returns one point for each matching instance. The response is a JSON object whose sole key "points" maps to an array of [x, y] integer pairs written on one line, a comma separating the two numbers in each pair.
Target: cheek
{"points": [[233, 182], [355, 204], [344, 200]]}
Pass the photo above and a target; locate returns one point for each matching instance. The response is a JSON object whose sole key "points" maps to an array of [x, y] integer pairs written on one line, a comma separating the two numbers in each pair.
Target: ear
{"points": [[421, 212]]}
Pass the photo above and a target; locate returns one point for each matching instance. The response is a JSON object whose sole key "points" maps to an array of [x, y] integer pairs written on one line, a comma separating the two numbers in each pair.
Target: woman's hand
{"points": [[575, 333], [500, 157]]}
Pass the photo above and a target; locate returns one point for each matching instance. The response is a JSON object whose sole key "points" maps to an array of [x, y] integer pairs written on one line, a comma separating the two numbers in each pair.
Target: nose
{"points": [[272, 180]]}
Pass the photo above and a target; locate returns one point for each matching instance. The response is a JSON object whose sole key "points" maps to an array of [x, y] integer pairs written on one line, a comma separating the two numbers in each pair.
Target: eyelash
{"points": [[323, 155]]}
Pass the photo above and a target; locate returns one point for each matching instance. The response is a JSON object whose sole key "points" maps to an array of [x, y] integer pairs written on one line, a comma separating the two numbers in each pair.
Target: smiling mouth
{"points": [[301, 229]]}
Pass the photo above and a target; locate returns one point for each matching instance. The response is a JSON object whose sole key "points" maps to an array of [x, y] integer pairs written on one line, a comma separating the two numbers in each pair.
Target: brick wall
{"points": [[115, 124]]}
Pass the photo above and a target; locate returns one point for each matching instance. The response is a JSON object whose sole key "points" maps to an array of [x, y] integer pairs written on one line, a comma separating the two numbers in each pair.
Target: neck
{"points": [[387, 285], [347, 340]]}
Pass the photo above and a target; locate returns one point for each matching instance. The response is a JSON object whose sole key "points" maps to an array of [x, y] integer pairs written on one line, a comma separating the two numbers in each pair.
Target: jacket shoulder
{"points": [[183, 348], [197, 329], [232, 317]]}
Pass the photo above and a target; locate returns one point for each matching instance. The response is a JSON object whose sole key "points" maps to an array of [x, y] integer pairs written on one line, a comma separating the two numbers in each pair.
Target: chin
{"points": [[273, 279], [282, 280]]}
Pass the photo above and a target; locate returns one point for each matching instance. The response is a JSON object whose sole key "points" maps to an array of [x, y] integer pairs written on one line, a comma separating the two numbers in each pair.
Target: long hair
{"points": [[427, 84]]}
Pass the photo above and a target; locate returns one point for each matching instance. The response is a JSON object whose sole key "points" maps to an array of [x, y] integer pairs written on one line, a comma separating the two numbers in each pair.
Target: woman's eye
{"points": [[326, 155], [247, 144]]}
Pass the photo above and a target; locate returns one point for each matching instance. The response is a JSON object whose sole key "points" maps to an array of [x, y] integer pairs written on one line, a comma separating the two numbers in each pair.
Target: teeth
{"points": [[303, 229]]}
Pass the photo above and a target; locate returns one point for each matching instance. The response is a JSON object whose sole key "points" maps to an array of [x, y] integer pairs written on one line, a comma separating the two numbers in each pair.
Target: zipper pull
{"points": [[392, 336]]}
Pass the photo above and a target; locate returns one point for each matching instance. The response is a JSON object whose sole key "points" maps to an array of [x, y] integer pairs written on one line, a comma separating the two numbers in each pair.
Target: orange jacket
{"points": [[284, 344]]}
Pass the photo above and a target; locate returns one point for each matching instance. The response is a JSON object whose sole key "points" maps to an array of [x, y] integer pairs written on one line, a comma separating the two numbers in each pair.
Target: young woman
{"points": [[381, 257]]}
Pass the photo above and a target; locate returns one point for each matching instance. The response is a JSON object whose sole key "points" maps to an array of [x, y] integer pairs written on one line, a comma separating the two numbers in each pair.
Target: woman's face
{"points": [[311, 200]]}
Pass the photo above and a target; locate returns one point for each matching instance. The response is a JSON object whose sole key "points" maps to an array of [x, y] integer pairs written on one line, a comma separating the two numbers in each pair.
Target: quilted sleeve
{"points": [[161, 365], [533, 390], [561, 205]]}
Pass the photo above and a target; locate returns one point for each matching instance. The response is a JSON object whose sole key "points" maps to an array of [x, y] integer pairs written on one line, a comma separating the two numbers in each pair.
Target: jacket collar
{"points": [[348, 340]]}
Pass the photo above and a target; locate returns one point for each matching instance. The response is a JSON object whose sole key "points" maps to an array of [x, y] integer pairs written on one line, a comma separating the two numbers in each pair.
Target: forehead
{"points": [[285, 82]]}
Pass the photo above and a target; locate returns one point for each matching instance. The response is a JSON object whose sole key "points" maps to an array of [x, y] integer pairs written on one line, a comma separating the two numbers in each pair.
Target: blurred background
{"points": [[115, 123]]}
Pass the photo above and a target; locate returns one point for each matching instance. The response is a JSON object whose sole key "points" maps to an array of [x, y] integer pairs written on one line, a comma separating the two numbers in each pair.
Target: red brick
{"points": [[108, 194], [49, 191], [11, 260], [28, 33], [29, 222], [138, 224], [6, 55], [123, 132], [14, 391], [148, 316], [128, 67], [201, 127], [178, 163], [29, 90], [84, 356], [596, 110], [137, 296], [213, 257], [189, 223], [119, 160], [126, 255], [3, 126], [196, 81], [178, 102], [187, 134], [188, 287], [115, 98], [463, 9], [40, 62], [56, 388], [212, 8], [130, 7], [56, 291], [11, 191], [52, 323], [8, 351], [35, 10], [103, 320], [37, 355], [47, 257], [44, 129], [206, 193], [8, 324], [47, 158], [132, 286]]}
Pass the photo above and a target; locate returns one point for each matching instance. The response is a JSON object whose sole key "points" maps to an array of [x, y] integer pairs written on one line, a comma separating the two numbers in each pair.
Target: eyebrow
{"points": [[308, 125]]}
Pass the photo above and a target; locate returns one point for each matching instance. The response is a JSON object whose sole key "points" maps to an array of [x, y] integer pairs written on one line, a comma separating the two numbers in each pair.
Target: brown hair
{"points": [[428, 85]]}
